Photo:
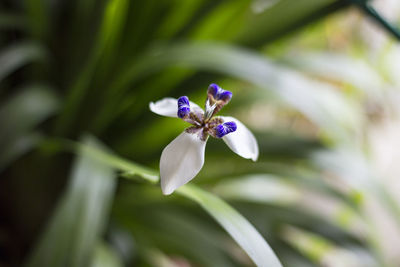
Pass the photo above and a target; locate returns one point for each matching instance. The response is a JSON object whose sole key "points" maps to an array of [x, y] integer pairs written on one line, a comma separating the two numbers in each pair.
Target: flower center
{"points": [[204, 124]]}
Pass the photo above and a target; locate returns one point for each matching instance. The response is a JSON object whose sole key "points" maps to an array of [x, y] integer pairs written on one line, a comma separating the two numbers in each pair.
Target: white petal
{"points": [[242, 141], [180, 161], [169, 107]]}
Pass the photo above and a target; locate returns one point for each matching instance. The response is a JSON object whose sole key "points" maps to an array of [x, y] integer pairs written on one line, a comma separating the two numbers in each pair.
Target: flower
{"points": [[183, 158]]}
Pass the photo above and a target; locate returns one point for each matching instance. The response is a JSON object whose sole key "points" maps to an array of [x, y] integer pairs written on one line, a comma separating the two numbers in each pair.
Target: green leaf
{"points": [[39, 17], [29, 107], [105, 256], [235, 224], [222, 23], [321, 250], [269, 21], [178, 17], [343, 69], [19, 115], [260, 188], [129, 168], [17, 148], [12, 21], [18, 55], [79, 218], [102, 52], [318, 101]]}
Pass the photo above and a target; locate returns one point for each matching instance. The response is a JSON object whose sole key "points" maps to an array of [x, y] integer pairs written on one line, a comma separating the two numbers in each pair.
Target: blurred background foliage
{"points": [[315, 80]]}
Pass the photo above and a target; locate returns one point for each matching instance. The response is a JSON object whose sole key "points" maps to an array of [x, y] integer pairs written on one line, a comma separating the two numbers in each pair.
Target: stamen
{"points": [[224, 129], [216, 99], [183, 106], [209, 109]]}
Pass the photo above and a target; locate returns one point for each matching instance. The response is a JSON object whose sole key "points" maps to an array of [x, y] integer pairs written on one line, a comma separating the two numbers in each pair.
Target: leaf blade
{"points": [[80, 216], [235, 224]]}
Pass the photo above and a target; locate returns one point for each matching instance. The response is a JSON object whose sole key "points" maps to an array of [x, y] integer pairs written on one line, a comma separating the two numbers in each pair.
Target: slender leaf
{"points": [[105, 256], [129, 169], [262, 188], [39, 17], [320, 102], [17, 55], [340, 68], [235, 224], [279, 17], [110, 30], [17, 148], [19, 116], [11, 21], [321, 250], [71, 235], [29, 107]]}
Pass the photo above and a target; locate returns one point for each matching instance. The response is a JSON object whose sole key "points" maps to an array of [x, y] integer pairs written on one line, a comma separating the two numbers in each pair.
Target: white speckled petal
{"points": [[169, 107], [242, 141], [181, 160]]}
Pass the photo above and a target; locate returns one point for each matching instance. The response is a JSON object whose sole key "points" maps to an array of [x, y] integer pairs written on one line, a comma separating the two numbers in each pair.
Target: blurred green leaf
{"points": [[25, 110], [19, 115], [222, 23], [12, 21], [18, 147], [105, 256], [322, 251], [79, 219], [337, 67], [104, 48], [261, 188], [39, 17], [320, 102], [273, 20], [157, 258], [180, 14], [17, 55], [235, 224], [129, 168]]}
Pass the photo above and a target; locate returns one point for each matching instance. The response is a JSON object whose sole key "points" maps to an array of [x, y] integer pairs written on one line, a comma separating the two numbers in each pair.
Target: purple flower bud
{"points": [[213, 90], [224, 96], [224, 129], [218, 93], [183, 106]]}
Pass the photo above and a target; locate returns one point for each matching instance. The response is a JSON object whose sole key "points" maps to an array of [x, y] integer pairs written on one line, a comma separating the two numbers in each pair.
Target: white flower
{"points": [[183, 158]]}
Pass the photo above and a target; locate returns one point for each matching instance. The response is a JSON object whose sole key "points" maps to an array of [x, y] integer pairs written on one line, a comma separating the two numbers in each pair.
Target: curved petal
{"points": [[169, 107], [242, 141], [180, 161]]}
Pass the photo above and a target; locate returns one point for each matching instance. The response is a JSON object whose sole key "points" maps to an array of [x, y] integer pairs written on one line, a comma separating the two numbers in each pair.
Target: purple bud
{"points": [[225, 128], [224, 96], [213, 90], [218, 93], [183, 106]]}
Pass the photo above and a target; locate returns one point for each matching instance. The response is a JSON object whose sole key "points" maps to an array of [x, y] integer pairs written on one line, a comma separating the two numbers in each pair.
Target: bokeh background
{"points": [[317, 81]]}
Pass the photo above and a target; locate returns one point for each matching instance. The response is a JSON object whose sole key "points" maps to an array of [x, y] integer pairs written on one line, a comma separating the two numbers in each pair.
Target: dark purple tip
{"points": [[224, 96], [183, 100], [183, 106], [218, 93], [213, 90], [225, 128]]}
